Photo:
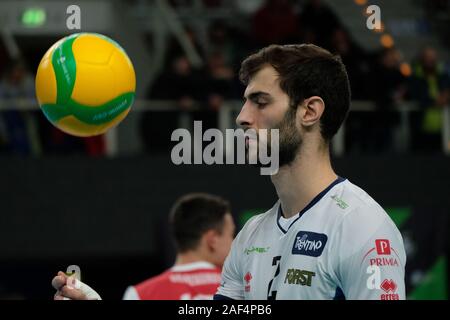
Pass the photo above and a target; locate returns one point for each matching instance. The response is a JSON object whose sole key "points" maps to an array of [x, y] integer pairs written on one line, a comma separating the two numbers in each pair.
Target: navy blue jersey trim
{"points": [[339, 295], [310, 205], [278, 219], [221, 297]]}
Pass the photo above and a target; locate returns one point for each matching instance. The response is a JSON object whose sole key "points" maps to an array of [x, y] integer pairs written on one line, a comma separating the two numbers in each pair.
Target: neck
{"points": [[303, 179], [190, 257]]}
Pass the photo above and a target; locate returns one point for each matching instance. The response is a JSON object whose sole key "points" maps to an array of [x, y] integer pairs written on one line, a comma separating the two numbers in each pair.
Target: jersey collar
{"points": [[309, 206], [192, 266]]}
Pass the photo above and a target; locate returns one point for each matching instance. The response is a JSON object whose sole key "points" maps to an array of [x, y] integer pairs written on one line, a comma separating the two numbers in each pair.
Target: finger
{"points": [[60, 273], [59, 281], [72, 293]]}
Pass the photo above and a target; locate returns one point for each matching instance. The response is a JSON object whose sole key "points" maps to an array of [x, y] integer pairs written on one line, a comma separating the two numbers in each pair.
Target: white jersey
{"points": [[342, 245]]}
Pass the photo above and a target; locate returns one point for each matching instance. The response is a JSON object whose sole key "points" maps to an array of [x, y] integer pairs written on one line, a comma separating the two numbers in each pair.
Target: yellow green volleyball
{"points": [[85, 84]]}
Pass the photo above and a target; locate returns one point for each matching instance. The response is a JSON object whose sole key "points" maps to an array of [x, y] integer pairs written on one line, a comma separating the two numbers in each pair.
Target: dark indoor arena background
{"points": [[102, 203]]}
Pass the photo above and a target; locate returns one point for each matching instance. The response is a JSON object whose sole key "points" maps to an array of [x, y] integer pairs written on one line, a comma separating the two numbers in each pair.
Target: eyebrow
{"points": [[258, 94]]}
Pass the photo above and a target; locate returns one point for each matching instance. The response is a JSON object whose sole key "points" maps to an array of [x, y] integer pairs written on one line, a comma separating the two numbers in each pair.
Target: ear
{"points": [[311, 110], [210, 238]]}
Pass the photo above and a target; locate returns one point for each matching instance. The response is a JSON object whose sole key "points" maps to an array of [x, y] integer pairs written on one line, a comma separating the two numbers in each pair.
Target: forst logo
{"points": [[309, 243], [300, 277]]}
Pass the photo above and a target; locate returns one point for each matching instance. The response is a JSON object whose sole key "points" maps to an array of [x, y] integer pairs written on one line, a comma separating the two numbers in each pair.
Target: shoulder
{"points": [[359, 204], [154, 282], [131, 294], [147, 289], [363, 219], [257, 223]]}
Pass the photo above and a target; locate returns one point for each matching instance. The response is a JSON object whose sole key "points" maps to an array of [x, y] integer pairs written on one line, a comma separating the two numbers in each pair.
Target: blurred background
{"points": [[102, 203]]}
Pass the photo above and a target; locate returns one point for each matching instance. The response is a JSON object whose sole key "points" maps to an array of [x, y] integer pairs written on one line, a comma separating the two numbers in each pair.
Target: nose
{"points": [[245, 117]]}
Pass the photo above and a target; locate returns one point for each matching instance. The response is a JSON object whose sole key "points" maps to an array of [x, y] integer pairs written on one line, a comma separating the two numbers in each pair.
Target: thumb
{"points": [[59, 281]]}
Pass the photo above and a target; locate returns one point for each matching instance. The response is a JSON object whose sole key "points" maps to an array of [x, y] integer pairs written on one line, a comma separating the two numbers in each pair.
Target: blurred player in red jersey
{"points": [[203, 230]]}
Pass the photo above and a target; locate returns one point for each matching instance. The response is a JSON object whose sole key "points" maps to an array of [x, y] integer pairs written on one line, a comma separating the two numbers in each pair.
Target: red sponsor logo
{"points": [[384, 262], [393, 296], [248, 277], [382, 255], [383, 246], [389, 286]]}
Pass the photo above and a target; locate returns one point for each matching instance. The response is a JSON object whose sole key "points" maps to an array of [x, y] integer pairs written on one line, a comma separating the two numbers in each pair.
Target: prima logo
{"points": [[309, 243], [252, 147], [391, 262], [383, 246]]}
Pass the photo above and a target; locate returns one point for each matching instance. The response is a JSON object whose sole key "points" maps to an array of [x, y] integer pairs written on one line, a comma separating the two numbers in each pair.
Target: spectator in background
{"points": [[317, 23], [430, 87], [181, 83], [275, 23], [28, 132], [356, 61], [175, 49], [233, 44], [390, 84], [225, 40], [389, 88], [18, 83], [220, 86]]}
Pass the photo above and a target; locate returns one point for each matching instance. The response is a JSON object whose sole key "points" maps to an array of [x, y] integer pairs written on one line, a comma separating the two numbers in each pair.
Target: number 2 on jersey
{"points": [[275, 262]]}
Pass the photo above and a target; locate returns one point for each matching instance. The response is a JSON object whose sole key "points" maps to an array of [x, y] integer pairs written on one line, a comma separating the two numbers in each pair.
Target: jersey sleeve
{"points": [[370, 259], [232, 286]]}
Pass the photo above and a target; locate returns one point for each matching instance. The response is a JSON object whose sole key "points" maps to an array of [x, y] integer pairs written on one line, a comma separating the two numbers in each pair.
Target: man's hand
{"points": [[70, 288]]}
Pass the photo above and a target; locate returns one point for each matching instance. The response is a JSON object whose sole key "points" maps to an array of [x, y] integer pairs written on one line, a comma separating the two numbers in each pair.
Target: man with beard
{"points": [[325, 238]]}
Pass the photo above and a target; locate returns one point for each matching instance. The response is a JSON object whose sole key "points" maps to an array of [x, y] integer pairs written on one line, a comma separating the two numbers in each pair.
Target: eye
{"points": [[261, 104]]}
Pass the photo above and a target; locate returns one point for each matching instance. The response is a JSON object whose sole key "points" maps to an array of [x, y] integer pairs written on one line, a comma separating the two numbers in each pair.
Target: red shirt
{"points": [[192, 281]]}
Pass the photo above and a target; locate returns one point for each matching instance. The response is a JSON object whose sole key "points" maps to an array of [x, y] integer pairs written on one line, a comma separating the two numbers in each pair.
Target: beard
{"points": [[290, 140]]}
